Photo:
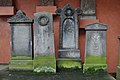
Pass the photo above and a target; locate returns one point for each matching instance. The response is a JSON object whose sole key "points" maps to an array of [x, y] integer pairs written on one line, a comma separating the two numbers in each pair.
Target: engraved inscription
{"points": [[68, 34], [46, 2]]}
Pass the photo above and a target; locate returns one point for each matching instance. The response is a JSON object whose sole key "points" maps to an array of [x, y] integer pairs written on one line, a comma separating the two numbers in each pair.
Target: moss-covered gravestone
{"points": [[44, 53], [118, 67], [69, 53], [95, 51], [21, 42]]}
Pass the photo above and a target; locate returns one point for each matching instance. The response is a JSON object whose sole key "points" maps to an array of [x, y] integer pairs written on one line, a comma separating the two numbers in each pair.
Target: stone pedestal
{"points": [[118, 67], [21, 42], [95, 51], [44, 53], [69, 53]]}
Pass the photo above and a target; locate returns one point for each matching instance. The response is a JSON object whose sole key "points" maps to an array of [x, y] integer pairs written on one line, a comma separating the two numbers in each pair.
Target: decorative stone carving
{"points": [[88, 7], [46, 2], [95, 50], [44, 53], [6, 2], [21, 41], [68, 36]]}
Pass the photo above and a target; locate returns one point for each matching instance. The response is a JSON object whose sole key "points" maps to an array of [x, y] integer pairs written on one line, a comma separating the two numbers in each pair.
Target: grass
{"points": [[21, 58], [45, 64], [69, 63]]}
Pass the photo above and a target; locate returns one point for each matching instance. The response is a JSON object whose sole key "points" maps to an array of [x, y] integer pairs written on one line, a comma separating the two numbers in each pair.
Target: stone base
{"points": [[21, 65], [118, 72], [94, 68], [69, 53], [43, 64], [69, 64]]}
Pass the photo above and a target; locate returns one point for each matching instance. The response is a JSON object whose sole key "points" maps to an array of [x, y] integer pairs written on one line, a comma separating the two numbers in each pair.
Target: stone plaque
{"points": [[68, 33], [46, 2], [44, 42], [95, 50], [21, 41], [6, 2], [88, 7]]}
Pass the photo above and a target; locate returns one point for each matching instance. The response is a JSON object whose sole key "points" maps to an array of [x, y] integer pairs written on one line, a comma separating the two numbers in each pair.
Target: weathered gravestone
{"points": [[6, 2], [88, 7], [95, 50], [118, 67], [46, 2], [44, 53], [21, 42], [69, 54]]}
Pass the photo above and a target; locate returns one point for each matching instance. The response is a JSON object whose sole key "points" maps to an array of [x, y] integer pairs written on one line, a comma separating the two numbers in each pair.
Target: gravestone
{"points": [[46, 2], [69, 53], [88, 7], [95, 50], [6, 2], [21, 42], [118, 67], [44, 53]]}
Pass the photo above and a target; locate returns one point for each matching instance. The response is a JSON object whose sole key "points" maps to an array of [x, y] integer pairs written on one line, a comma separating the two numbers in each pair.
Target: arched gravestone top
{"points": [[20, 17], [96, 27]]}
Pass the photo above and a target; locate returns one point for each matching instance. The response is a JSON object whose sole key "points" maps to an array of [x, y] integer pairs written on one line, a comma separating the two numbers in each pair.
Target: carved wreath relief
{"points": [[43, 20]]}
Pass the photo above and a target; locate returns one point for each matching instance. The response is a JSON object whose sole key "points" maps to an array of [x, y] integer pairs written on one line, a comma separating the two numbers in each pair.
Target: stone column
{"points": [[69, 53], [118, 67], [21, 42], [95, 51], [88, 7], [44, 52]]}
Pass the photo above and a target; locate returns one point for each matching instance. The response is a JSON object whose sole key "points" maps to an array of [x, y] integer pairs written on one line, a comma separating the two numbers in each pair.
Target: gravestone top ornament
{"points": [[68, 10], [20, 17]]}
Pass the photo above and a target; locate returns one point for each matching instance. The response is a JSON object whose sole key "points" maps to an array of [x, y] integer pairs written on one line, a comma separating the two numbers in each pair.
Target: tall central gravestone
{"points": [[95, 50], [69, 53], [44, 53], [21, 42]]}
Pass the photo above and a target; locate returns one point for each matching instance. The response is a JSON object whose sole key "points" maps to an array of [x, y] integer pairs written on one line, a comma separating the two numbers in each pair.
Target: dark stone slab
{"points": [[95, 50], [46, 2], [21, 42], [6, 2], [68, 33], [88, 7], [44, 43]]}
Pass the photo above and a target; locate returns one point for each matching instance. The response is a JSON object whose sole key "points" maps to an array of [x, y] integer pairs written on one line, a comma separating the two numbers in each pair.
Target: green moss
{"points": [[66, 63], [44, 64], [95, 68], [21, 58], [95, 60], [21, 65]]}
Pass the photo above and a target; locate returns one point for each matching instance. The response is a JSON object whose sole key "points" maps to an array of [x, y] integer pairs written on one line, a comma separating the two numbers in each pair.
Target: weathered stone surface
{"points": [[88, 7], [118, 67], [95, 50], [46, 2], [6, 2], [21, 40], [68, 32], [44, 42]]}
